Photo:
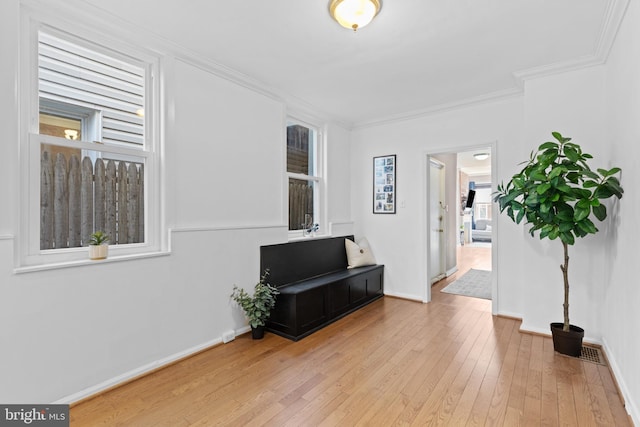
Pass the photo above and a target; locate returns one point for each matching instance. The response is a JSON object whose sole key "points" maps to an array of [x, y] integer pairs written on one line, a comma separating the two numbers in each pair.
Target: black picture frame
{"points": [[384, 184]]}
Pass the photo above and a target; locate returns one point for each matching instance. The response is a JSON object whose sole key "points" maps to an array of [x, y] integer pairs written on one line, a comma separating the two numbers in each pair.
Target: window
{"points": [[482, 204], [92, 155], [303, 172]]}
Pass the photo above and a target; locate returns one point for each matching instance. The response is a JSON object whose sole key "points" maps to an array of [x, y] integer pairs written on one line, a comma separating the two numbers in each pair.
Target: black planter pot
{"points": [[257, 333], [567, 342]]}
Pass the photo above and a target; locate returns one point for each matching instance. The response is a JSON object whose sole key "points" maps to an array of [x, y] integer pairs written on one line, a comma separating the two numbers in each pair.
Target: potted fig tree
{"points": [[557, 194], [258, 307]]}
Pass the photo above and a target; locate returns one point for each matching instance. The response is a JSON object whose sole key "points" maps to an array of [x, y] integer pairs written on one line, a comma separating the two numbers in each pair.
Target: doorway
{"points": [[454, 172]]}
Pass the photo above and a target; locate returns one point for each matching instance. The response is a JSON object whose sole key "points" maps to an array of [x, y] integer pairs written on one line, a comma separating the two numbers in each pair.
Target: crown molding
{"points": [[614, 15], [442, 108], [93, 19], [613, 20]]}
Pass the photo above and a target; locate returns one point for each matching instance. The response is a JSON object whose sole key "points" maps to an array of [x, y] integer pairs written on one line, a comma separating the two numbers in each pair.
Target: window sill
{"points": [[297, 237], [83, 262]]}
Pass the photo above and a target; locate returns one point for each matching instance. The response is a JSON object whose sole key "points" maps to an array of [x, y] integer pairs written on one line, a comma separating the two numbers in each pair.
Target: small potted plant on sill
{"points": [[258, 307], [98, 247], [556, 193]]}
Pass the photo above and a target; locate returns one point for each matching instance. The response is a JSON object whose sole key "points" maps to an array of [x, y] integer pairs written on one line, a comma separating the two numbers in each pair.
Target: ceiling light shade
{"points": [[354, 14], [71, 134], [481, 156]]}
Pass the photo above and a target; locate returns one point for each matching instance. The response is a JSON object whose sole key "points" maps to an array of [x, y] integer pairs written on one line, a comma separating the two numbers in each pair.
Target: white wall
{"points": [[229, 141], [400, 240], [8, 86], [599, 108], [620, 291], [573, 104], [338, 179], [72, 331]]}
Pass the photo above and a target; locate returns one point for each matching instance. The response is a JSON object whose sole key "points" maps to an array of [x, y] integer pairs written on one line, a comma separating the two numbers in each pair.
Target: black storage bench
{"points": [[316, 288]]}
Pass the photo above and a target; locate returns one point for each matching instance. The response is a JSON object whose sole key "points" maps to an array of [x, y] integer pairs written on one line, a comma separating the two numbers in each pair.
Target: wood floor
{"points": [[395, 362]]}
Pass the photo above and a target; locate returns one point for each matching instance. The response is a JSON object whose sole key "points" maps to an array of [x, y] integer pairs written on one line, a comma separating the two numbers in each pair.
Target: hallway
{"points": [[468, 256]]}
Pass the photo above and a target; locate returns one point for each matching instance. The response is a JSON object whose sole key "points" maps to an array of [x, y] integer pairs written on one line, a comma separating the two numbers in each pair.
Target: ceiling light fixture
{"points": [[71, 134], [354, 14], [481, 156]]}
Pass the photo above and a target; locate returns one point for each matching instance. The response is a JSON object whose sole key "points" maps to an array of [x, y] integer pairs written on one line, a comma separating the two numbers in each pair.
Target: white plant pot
{"points": [[98, 251]]}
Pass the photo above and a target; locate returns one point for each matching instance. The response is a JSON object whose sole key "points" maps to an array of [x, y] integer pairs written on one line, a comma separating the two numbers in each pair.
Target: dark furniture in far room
{"points": [[316, 288]]}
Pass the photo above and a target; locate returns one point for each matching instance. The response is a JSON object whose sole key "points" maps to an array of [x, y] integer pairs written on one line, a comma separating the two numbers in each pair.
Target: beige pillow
{"points": [[359, 254]]}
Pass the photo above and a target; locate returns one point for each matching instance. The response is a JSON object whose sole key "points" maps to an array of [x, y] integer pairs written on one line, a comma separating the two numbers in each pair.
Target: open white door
{"points": [[437, 223]]}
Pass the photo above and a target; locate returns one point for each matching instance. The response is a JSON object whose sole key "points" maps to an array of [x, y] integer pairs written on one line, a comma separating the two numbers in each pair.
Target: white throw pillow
{"points": [[359, 254], [487, 227]]}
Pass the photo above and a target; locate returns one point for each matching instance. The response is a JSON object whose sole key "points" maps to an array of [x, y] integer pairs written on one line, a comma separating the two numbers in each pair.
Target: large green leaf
{"points": [[564, 188], [603, 192], [600, 212], [567, 238], [581, 213], [605, 173], [542, 188], [614, 187], [587, 226], [590, 174], [565, 226], [532, 199], [559, 137], [565, 215], [548, 145], [539, 176], [571, 154]]}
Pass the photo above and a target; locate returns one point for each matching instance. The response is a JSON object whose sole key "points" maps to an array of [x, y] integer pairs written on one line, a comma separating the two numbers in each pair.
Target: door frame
{"points": [[426, 219]]}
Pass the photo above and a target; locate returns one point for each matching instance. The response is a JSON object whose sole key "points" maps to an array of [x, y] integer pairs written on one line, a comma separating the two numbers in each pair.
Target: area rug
{"points": [[474, 283]]}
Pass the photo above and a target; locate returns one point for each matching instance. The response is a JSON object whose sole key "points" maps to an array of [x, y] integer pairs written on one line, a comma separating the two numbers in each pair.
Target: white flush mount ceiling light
{"points": [[354, 14], [481, 156]]}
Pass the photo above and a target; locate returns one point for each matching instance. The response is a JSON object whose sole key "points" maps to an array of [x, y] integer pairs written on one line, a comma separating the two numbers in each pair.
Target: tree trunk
{"points": [[565, 275]]}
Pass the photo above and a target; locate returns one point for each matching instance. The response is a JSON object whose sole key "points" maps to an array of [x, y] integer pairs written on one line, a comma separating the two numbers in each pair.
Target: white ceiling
{"points": [[472, 166], [416, 55]]}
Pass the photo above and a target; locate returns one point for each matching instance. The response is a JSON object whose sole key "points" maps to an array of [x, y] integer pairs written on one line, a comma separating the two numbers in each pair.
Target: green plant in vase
{"points": [[98, 248], [257, 307]]}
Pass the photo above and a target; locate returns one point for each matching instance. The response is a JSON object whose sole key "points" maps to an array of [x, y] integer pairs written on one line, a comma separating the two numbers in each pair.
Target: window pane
{"points": [[301, 206], [62, 127], [92, 78], [81, 193], [301, 149]]}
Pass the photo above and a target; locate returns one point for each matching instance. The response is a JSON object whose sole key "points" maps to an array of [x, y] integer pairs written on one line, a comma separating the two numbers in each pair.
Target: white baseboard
{"points": [[509, 314], [141, 371], [547, 331], [403, 296], [629, 404]]}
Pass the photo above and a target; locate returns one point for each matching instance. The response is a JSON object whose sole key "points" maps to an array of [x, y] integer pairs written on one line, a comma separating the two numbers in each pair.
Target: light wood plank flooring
{"points": [[395, 362]]}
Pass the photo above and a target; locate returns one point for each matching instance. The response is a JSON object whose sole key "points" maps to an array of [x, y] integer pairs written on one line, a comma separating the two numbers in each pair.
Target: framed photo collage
{"points": [[384, 184]]}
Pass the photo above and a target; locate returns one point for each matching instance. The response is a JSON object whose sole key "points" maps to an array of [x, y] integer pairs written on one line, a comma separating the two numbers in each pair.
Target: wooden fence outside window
{"points": [[300, 204], [78, 198]]}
